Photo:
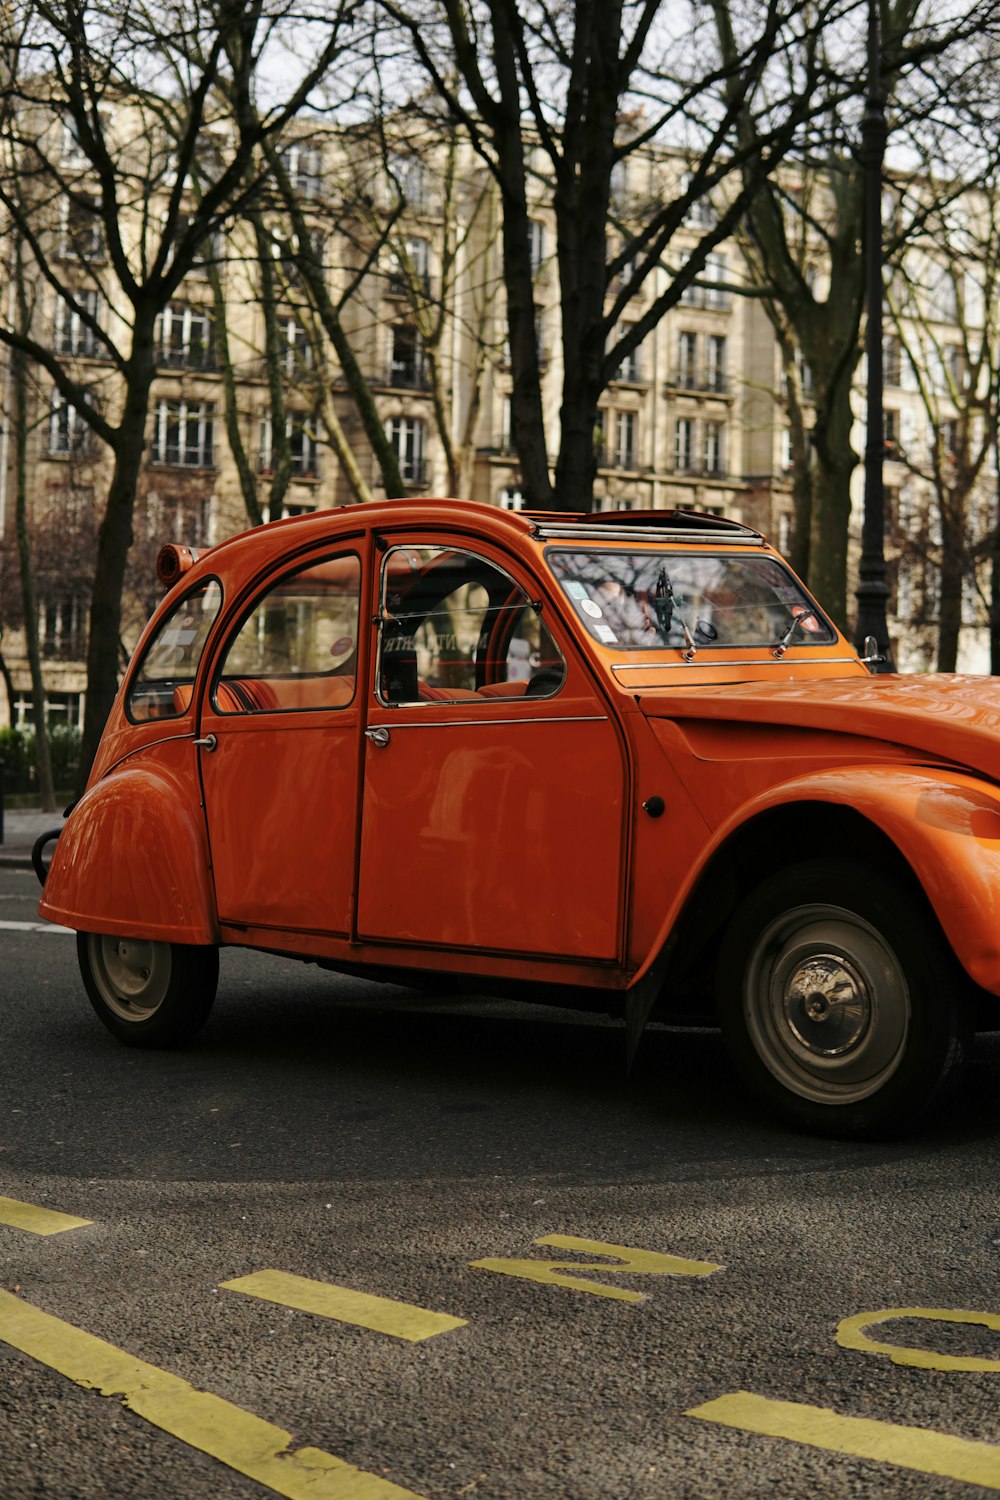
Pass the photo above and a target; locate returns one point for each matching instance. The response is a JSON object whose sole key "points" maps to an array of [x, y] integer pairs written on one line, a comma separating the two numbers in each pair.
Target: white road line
{"points": [[34, 927]]}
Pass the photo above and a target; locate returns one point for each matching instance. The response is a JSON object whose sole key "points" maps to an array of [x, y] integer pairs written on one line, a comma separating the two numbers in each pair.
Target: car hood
{"points": [[947, 717]]}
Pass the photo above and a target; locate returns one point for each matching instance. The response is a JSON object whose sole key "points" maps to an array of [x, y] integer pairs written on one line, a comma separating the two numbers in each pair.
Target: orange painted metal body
{"points": [[502, 838]]}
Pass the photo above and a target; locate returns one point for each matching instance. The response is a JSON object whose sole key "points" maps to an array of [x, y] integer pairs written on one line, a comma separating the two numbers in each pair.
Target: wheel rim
{"points": [[132, 975], [826, 1004]]}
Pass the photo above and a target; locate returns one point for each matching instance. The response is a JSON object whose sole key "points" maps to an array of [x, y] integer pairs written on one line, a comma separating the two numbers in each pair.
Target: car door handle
{"points": [[208, 743], [379, 736]]}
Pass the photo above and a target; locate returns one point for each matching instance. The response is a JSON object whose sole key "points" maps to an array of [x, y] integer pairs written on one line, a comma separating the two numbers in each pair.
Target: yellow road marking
{"points": [[37, 1220], [235, 1437], [819, 1427], [636, 1263], [851, 1335], [400, 1319]]}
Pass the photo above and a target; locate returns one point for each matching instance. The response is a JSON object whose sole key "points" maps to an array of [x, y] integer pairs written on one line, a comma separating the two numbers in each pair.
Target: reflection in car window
{"points": [[161, 687], [454, 626], [297, 649], [644, 600]]}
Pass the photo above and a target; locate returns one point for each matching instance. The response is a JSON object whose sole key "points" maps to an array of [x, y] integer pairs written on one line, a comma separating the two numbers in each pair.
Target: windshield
{"points": [[649, 600]]}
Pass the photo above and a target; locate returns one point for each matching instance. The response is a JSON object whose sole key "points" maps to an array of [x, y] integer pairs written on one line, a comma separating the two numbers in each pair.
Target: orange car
{"points": [[611, 760]]}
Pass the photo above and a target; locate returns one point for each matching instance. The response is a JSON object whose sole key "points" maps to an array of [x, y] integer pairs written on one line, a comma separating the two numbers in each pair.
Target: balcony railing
{"points": [[408, 377], [191, 357], [712, 382]]}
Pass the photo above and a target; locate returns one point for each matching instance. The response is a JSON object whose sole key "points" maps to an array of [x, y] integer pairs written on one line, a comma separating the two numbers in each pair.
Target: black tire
{"points": [[148, 994], [841, 1005]]}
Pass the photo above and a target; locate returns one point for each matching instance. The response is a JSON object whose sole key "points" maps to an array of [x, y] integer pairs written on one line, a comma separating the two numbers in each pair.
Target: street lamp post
{"points": [[873, 591]]}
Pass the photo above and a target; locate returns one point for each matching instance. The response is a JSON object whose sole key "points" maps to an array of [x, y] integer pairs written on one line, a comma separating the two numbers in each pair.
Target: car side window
{"points": [[162, 684], [454, 626], [297, 648]]}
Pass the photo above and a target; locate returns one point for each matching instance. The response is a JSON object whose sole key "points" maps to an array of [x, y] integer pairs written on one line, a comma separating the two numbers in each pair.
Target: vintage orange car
{"points": [[617, 761]]}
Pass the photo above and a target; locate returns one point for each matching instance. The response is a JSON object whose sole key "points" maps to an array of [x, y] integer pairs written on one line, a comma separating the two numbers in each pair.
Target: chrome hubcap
{"points": [[826, 1004]]}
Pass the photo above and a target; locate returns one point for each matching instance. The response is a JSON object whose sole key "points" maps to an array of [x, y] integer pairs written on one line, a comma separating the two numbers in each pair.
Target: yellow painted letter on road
{"points": [[819, 1427], [635, 1263], [851, 1335], [235, 1437], [399, 1319], [37, 1220]]}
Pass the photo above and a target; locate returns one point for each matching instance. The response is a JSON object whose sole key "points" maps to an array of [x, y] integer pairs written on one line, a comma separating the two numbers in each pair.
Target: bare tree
{"points": [[573, 95], [803, 237], [945, 305], [97, 175]]}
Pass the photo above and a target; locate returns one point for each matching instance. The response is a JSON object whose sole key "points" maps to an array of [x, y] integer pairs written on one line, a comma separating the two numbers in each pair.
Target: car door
{"points": [[494, 773], [279, 736]]}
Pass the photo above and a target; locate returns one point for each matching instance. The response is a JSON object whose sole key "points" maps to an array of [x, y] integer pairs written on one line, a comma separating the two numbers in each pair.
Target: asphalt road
{"points": [[369, 1138]]}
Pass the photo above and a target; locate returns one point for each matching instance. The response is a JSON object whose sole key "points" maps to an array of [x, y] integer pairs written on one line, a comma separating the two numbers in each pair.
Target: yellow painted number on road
{"points": [[819, 1427], [37, 1220], [400, 1319], [635, 1263], [851, 1335], [235, 1437]]}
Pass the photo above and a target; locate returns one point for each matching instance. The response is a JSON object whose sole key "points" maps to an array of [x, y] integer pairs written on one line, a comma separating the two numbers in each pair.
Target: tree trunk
{"points": [[951, 575], [29, 604], [833, 464], [114, 539]]}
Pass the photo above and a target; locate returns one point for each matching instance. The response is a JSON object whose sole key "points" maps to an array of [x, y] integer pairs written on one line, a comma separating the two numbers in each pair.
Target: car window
{"points": [[654, 599], [162, 684], [297, 648], [454, 626]]}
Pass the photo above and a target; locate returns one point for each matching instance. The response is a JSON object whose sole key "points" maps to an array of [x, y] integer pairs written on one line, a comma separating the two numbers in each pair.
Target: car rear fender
{"points": [[132, 860]]}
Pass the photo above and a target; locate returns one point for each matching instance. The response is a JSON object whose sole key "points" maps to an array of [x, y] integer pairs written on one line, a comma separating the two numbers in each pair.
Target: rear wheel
{"points": [[148, 994], [841, 1005]]}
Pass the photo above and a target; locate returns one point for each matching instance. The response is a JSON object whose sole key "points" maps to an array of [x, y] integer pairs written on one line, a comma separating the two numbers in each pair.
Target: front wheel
{"points": [[148, 994], [840, 1003]]}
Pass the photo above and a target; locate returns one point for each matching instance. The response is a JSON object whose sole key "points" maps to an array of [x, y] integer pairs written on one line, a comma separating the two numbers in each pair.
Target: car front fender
{"points": [[946, 825], [132, 859]]}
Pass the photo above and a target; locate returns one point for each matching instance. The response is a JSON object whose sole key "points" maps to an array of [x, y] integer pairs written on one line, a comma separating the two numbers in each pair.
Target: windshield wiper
{"points": [[786, 639], [665, 604]]}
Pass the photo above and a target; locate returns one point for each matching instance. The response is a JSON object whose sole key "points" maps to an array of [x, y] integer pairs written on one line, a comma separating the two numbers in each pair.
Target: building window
{"points": [[185, 338], [687, 360], [507, 425], [714, 448], [536, 245], [81, 233], [408, 179], [626, 424], [68, 431], [411, 268], [630, 369], [304, 164], [684, 445], [892, 361], [714, 275], [407, 436], [890, 433], [511, 498], [184, 434], [296, 350], [302, 446], [407, 366], [63, 627], [73, 333], [715, 362]]}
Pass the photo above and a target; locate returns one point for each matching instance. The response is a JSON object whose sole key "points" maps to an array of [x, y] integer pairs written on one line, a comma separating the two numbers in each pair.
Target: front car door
{"points": [[280, 779], [494, 774]]}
